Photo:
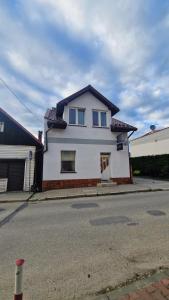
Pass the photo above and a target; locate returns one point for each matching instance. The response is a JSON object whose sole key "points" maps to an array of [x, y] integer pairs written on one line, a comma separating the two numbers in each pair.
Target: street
{"points": [[74, 248]]}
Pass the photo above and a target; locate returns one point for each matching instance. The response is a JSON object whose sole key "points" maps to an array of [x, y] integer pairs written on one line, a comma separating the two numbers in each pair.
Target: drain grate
{"points": [[133, 224], [156, 213]]}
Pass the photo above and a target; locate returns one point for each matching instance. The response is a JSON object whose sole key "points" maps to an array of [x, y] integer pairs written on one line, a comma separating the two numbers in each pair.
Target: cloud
{"points": [[50, 49]]}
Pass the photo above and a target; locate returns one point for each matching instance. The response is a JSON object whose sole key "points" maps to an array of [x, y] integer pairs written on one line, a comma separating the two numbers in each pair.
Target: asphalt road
{"points": [[76, 247]]}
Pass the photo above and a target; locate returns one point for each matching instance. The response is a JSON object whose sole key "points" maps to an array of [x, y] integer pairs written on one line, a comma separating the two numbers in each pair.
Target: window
{"points": [[77, 116], [99, 118], [67, 161], [95, 118], [1, 126]]}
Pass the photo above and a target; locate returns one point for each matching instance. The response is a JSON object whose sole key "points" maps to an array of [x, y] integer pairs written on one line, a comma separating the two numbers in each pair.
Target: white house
{"points": [[81, 142], [155, 142]]}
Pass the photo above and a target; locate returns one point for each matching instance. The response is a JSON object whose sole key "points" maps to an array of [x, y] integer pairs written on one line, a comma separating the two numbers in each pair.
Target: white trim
{"points": [[99, 118], [76, 116]]}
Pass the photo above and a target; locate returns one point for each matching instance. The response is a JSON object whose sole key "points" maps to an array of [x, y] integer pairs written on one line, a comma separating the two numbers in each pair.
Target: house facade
{"points": [[155, 142], [21, 156], [81, 142]]}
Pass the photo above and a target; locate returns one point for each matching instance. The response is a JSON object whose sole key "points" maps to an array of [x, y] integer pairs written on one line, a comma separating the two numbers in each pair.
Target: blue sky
{"points": [[52, 48]]}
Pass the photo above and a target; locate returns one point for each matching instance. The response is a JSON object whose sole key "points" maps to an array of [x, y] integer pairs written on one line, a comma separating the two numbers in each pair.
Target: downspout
{"points": [[130, 166], [46, 139]]}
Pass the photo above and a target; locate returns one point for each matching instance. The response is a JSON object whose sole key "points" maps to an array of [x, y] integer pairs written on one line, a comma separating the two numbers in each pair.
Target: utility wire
{"points": [[20, 101]]}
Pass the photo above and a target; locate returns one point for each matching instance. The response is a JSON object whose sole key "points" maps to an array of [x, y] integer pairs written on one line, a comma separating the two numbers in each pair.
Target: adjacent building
{"points": [[155, 142], [21, 156], [84, 143]]}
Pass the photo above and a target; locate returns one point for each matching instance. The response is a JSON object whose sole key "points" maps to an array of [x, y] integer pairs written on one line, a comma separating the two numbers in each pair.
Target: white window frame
{"points": [[76, 116], [61, 170], [2, 127], [99, 118]]}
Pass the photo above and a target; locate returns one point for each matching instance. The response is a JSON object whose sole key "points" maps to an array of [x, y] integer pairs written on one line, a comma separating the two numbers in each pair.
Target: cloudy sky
{"points": [[52, 48]]}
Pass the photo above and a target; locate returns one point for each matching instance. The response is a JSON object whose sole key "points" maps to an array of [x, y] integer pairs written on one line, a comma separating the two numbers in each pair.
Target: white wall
{"points": [[87, 155], [154, 144], [87, 161], [21, 152]]}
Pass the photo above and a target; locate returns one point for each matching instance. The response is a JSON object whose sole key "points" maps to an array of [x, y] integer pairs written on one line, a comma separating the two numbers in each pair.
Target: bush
{"points": [[153, 166], [136, 172]]}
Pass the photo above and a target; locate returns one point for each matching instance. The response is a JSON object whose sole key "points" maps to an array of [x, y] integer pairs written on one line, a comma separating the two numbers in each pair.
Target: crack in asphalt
{"points": [[13, 214]]}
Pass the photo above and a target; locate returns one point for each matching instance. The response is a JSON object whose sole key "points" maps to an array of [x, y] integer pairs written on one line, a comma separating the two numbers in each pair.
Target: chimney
{"points": [[40, 136]]}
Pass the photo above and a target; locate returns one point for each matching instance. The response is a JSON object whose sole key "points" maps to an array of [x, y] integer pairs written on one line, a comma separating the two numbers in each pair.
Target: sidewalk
{"points": [[13, 197], [140, 185], [154, 286]]}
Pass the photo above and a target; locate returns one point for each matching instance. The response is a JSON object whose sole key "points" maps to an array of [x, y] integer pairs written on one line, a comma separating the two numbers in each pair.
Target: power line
{"points": [[20, 101]]}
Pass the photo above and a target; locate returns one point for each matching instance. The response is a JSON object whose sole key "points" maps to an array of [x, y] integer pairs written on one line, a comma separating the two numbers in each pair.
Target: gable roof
{"points": [[19, 125], [119, 126], [60, 105], [150, 133]]}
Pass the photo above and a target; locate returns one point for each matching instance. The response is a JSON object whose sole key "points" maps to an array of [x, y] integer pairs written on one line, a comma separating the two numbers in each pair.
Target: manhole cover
{"points": [[84, 205], [133, 224], [2, 209], [110, 220], [156, 212]]}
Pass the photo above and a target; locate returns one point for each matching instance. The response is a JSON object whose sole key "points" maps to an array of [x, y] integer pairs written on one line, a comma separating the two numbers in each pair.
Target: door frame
{"points": [[108, 155]]}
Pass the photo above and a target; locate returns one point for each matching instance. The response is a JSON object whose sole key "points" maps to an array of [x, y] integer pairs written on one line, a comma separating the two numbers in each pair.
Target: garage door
{"points": [[14, 171]]}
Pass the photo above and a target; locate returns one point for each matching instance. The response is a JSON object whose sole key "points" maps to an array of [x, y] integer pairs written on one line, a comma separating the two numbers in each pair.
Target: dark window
{"points": [[72, 116], [67, 161], [1, 126], [103, 119], [95, 118]]}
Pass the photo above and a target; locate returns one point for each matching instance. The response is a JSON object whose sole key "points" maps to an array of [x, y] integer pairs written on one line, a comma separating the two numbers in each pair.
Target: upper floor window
{"points": [[1, 127], [99, 118], [77, 116]]}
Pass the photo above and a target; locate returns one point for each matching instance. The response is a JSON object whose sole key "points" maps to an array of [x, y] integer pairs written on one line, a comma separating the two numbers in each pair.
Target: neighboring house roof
{"points": [[60, 105], [117, 126], [20, 126], [150, 133]]}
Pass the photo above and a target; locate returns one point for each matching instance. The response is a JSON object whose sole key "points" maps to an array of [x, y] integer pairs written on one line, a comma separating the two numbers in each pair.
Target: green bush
{"points": [[153, 166], [136, 172]]}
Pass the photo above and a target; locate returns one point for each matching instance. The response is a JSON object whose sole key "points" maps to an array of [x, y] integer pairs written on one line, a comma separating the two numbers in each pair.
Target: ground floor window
{"points": [[67, 161]]}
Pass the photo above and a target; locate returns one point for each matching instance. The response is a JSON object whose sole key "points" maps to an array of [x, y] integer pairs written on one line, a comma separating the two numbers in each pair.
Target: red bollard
{"points": [[18, 295]]}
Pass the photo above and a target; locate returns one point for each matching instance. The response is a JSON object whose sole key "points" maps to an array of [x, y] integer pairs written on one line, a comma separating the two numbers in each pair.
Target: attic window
{"points": [[1, 127]]}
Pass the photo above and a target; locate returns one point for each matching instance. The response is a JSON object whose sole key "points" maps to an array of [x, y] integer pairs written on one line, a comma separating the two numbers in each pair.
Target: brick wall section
{"points": [[122, 180], [69, 183], [74, 183]]}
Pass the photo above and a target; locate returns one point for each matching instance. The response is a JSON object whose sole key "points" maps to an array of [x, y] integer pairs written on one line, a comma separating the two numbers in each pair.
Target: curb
{"points": [[97, 194]]}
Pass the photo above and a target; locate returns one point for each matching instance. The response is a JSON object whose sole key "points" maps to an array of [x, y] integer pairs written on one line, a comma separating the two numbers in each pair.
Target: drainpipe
{"points": [[131, 175], [46, 139]]}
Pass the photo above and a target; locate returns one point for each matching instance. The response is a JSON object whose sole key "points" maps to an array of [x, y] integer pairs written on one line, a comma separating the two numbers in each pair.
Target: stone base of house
{"points": [[69, 183], [74, 183], [122, 180]]}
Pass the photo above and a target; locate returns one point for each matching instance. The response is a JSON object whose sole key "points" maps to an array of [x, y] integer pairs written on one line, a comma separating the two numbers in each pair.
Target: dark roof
{"points": [[60, 105], [53, 120], [20, 126], [117, 126]]}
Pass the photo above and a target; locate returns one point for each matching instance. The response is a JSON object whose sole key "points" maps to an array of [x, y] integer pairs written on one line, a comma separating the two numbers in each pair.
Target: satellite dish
{"points": [[152, 127]]}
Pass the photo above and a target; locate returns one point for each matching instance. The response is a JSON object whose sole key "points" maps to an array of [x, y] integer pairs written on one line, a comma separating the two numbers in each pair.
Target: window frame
{"points": [[61, 168], [2, 126], [77, 117], [99, 118]]}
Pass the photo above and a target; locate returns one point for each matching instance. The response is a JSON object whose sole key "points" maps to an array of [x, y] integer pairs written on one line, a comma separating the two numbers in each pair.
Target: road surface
{"points": [[74, 248]]}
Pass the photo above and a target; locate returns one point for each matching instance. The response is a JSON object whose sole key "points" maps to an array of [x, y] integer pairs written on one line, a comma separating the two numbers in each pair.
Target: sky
{"points": [[50, 49]]}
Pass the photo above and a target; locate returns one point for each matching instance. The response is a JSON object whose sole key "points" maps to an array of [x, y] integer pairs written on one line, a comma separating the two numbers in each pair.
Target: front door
{"points": [[105, 166]]}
